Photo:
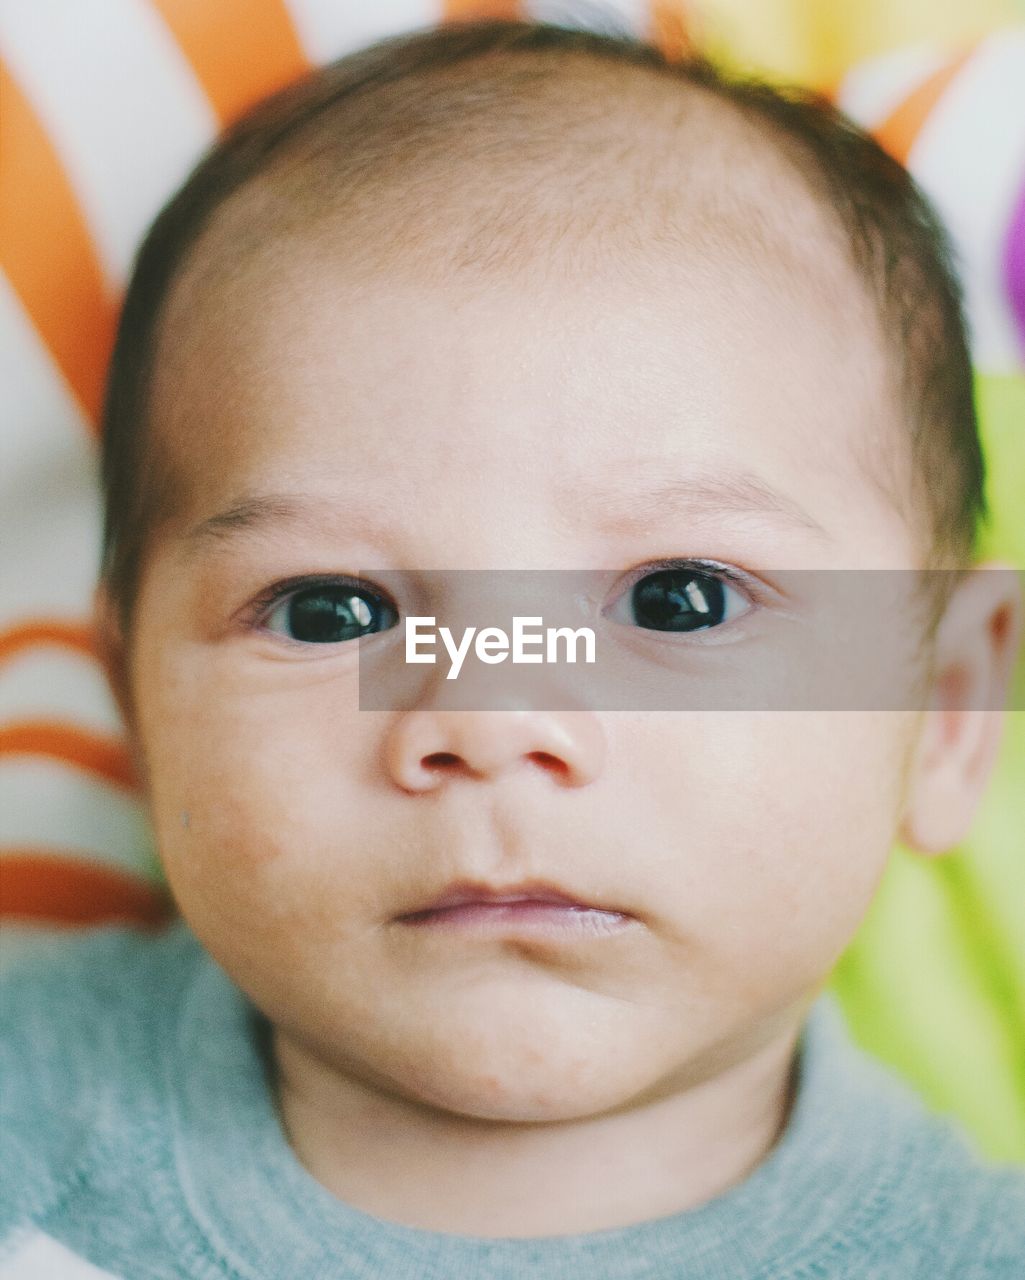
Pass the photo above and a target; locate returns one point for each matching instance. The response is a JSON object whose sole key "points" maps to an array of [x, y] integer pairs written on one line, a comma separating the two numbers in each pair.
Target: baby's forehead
{"points": [[599, 170], [721, 254], [331, 375], [664, 203]]}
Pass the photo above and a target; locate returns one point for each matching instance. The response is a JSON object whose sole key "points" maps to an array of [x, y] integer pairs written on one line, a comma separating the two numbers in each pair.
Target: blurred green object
{"points": [[934, 983]]}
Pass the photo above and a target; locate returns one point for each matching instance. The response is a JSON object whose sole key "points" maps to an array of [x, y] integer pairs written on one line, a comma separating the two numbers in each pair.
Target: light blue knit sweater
{"points": [[138, 1136]]}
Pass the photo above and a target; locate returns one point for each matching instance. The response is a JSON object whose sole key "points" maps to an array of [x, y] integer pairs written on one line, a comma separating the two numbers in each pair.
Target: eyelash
{"points": [[713, 568], [266, 601], [257, 612]]}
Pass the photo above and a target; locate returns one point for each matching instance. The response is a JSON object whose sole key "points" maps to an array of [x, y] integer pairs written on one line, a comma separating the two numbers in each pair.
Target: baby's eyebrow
{"points": [[253, 515], [617, 505], [612, 505]]}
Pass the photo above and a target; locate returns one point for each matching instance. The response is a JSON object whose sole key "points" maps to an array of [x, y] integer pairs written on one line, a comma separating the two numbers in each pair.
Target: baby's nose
{"points": [[427, 746]]}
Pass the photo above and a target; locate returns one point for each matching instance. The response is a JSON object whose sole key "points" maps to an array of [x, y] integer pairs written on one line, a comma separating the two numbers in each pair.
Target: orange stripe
{"points": [[106, 758], [47, 253], [466, 10], [63, 889], [670, 28], [77, 636], [899, 131], [240, 50]]}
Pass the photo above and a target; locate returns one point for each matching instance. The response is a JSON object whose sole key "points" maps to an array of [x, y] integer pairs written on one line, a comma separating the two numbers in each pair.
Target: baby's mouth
{"points": [[536, 908]]}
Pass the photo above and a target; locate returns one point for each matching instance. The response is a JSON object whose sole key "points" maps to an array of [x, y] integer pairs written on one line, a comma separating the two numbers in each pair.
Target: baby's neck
{"points": [[430, 1169]]}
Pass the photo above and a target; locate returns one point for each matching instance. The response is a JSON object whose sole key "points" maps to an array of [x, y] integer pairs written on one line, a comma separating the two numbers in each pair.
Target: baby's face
{"points": [[465, 428]]}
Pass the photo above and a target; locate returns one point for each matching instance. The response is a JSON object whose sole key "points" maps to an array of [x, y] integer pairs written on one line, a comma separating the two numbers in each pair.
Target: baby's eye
{"points": [[327, 613], [683, 598]]}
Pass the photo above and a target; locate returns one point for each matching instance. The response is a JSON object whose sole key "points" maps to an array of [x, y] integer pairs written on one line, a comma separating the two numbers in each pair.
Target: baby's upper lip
{"points": [[464, 892]]}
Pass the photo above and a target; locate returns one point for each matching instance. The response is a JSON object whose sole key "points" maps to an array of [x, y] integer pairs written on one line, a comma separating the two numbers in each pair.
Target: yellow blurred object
{"points": [[815, 42]]}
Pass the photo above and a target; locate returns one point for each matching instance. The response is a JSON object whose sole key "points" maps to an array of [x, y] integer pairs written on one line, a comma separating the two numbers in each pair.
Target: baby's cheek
{"points": [[248, 796], [781, 824], [821, 821]]}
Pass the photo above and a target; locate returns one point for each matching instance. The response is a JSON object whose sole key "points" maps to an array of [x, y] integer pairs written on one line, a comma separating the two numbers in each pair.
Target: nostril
{"points": [[441, 757], [448, 759], [550, 762]]}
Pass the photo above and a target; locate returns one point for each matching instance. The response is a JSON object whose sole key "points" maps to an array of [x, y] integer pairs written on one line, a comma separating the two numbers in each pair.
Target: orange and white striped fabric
{"points": [[103, 110]]}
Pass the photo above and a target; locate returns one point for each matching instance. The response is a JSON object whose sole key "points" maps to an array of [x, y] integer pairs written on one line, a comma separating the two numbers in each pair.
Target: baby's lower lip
{"points": [[527, 917]]}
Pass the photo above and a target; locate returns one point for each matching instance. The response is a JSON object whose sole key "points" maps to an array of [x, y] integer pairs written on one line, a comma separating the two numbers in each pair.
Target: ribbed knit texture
{"points": [[137, 1128]]}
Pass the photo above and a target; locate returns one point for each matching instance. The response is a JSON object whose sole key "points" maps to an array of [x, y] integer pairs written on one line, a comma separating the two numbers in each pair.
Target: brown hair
{"points": [[896, 241]]}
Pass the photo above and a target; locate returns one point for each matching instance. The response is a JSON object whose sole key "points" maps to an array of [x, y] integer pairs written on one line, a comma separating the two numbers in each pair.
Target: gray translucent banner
{"points": [[687, 636]]}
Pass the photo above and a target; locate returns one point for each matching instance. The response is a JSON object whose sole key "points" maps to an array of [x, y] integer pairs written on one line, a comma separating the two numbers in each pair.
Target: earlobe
{"points": [[977, 642]]}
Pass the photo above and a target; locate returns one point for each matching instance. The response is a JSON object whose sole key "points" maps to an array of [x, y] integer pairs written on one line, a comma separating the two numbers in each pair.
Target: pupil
{"points": [[679, 600], [326, 615]]}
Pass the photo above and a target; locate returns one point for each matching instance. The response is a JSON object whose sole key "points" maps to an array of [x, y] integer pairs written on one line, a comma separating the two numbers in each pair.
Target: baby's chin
{"points": [[552, 1091], [529, 1061]]}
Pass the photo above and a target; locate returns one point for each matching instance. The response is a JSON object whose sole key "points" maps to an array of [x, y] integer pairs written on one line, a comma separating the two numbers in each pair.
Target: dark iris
{"points": [[678, 600], [329, 614]]}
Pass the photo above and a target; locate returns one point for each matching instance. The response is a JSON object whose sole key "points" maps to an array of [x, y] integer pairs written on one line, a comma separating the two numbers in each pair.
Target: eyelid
{"points": [[256, 612], [750, 586]]}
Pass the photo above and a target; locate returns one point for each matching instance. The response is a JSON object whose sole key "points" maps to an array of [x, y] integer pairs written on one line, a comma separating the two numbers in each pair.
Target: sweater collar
{"points": [[233, 1189]]}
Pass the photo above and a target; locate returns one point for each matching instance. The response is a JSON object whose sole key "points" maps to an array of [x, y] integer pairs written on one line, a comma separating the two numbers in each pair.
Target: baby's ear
{"points": [[976, 645], [113, 652]]}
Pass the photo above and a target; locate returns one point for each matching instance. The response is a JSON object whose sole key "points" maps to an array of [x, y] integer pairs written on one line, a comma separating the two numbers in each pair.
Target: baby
{"points": [[532, 988]]}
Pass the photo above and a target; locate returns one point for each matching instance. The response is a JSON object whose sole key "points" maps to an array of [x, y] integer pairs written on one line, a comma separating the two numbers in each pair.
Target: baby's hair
{"points": [[410, 105]]}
